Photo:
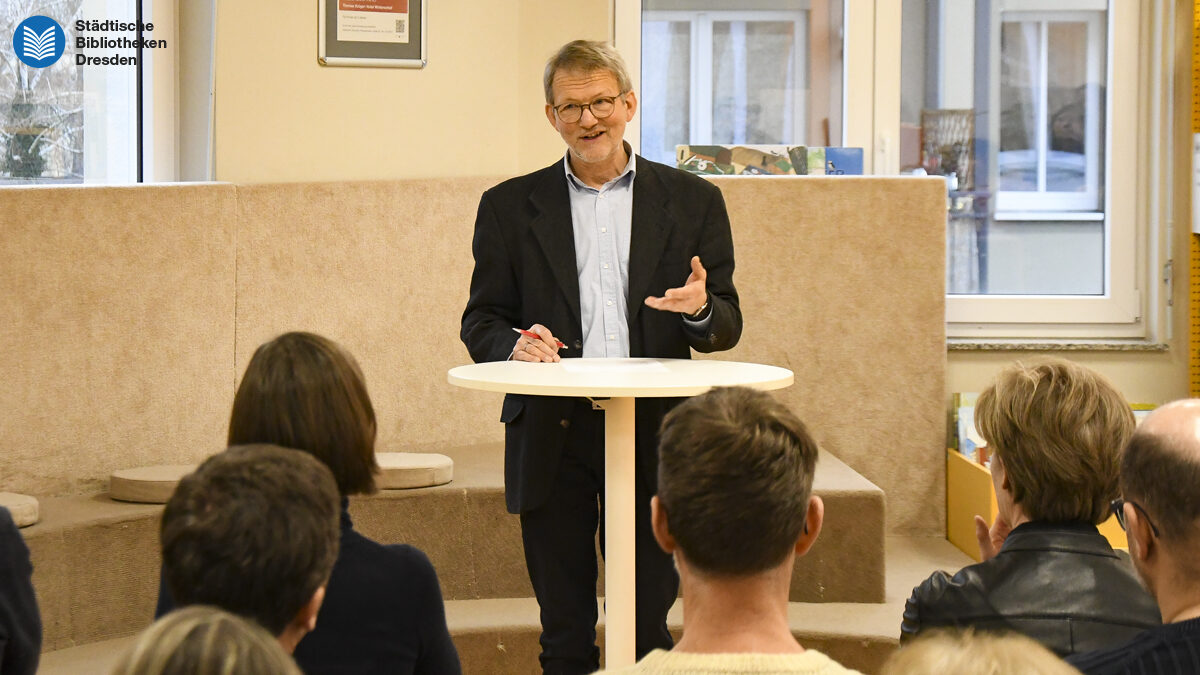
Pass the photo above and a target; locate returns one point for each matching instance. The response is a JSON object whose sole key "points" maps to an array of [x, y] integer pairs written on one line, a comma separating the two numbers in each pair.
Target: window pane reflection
{"points": [[755, 86]]}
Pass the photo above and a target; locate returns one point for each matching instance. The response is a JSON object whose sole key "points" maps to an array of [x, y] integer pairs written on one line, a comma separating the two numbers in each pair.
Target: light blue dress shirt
{"points": [[602, 220]]}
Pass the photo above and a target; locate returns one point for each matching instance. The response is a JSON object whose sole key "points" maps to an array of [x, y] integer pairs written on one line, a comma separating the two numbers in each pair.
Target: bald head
{"points": [[1178, 423], [1160, 470]]}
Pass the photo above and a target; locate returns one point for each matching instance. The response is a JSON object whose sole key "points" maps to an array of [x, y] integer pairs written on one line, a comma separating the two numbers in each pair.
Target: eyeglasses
{"points": [[1118, 508], [601, 108]]}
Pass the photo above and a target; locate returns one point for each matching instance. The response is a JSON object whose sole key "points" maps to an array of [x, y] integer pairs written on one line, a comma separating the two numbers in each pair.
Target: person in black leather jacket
{"points": [[1056, 430]]}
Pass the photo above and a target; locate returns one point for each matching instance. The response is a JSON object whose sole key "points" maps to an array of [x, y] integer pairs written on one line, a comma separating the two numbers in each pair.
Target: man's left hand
{"points": [[687, 299]]}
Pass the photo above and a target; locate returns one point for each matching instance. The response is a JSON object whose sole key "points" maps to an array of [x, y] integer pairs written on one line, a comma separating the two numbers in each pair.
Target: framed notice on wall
{"points": [[378, 33]]}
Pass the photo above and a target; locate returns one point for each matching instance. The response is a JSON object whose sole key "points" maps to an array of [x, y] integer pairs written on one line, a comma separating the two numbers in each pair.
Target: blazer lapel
{"points": [[650, 229], [552, 227]]}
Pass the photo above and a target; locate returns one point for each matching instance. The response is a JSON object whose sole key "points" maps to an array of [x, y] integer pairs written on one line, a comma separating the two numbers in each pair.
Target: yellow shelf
{"points": [[969, 493]]}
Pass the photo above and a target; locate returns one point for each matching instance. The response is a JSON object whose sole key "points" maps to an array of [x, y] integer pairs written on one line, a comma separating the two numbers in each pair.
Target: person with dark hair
{"points": [[1056, 430], [20, 620], [735, 509], [203, 640], [606, 255], [383, 610], [1159, 508], [254, 531]]}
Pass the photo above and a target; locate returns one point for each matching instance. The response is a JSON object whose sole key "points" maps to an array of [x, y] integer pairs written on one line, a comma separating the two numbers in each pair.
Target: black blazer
{"points": [[1059, 583], [525, 273]]}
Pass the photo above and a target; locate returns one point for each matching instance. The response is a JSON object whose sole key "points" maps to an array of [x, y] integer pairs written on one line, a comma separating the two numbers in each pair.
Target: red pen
{"points": [[535, 336]]}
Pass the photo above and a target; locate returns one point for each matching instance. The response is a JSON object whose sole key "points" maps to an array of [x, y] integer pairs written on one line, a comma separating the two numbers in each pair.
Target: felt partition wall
{"points": [[382, 268], [131, 313], [842, 280], [117, 330]]}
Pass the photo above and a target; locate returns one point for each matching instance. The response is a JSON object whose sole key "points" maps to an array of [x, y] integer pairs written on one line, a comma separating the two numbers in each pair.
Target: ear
{"points": [[550, 117], [813, 519], [1142, 544], [631, 104], [306, 619], [658, 522]]}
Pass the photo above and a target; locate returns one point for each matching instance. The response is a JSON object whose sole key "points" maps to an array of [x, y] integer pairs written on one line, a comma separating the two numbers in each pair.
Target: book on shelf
{"points": [[966, 437], [769, 160]]}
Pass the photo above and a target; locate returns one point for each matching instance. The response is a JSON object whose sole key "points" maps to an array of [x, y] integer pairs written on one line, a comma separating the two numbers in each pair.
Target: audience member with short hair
{"points": [[254, 531], [943, 652], [1159, 508], [203, 640], [735, 508], [1056, 430], [20, 620], [383, 610]]}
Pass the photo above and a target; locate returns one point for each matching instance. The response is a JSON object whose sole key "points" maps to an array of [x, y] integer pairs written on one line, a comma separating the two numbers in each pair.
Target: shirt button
{"points": [[604, 229], [609, 303], [612, 337], [605, 265], [565, 423]]}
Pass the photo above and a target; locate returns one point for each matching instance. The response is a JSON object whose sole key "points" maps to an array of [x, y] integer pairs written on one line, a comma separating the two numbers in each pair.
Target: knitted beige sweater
{"points": [[659, 662]]}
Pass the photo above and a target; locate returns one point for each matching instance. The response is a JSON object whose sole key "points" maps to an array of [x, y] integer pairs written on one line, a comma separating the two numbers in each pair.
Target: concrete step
{"points": [[96, 560], [499, 635]]}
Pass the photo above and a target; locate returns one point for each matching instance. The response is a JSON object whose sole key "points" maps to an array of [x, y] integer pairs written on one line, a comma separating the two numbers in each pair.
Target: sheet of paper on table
{"points": [[581, 366]]}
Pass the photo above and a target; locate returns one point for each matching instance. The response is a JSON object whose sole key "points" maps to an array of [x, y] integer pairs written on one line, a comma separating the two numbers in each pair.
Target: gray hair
{"points": [[202, 639], [586, 56]]}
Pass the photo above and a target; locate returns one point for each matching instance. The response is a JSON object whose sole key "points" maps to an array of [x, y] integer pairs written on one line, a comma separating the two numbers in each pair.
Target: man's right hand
{"points": [[544, 350]]}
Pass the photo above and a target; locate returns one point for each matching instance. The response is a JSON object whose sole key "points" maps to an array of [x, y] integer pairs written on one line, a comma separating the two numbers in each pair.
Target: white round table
{"points": [[620, 381]]}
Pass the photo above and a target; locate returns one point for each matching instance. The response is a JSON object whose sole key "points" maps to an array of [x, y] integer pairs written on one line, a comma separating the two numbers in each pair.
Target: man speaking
{"points": [[602, 255]]}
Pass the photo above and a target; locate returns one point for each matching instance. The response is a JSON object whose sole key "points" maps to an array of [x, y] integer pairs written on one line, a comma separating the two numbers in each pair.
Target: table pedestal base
{"points": [[620, 526]]}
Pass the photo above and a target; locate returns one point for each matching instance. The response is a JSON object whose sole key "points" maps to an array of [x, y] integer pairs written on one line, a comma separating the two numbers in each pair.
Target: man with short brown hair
{"points": [[254, 531], [735, 508]]}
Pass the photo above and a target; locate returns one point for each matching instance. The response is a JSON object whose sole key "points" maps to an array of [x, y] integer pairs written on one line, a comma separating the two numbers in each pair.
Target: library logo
{"points": [[39, 41]]}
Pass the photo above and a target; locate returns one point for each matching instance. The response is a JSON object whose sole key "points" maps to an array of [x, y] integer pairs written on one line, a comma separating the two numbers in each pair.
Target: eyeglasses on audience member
{"points": [[1118, 509]]}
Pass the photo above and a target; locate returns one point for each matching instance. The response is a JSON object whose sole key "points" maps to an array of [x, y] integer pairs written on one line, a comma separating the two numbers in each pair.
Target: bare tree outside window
{"points": [[41, 109]]}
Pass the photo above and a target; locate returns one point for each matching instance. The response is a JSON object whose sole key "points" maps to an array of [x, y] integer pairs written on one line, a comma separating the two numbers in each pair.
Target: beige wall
{"points": [[1142, 377], [476, 109], [544, 27]]}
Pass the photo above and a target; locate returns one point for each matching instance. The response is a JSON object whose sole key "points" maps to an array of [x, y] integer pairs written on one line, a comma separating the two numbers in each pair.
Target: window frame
{"points": [[140, 143], [1118, 313], [1035, 203], [700, 89]]}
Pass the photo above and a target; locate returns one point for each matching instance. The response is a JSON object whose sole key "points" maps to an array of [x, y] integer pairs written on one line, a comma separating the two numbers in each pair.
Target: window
{"points": [[1042, 234], [1063, 176], [737, 72], [69, 123], [1048, 233], [1051, 94]]}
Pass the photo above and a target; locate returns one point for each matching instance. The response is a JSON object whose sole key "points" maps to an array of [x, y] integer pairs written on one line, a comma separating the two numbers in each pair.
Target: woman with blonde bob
{"points": [[202, 640], [383, 609], [971, 653], [1056, 431]]}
